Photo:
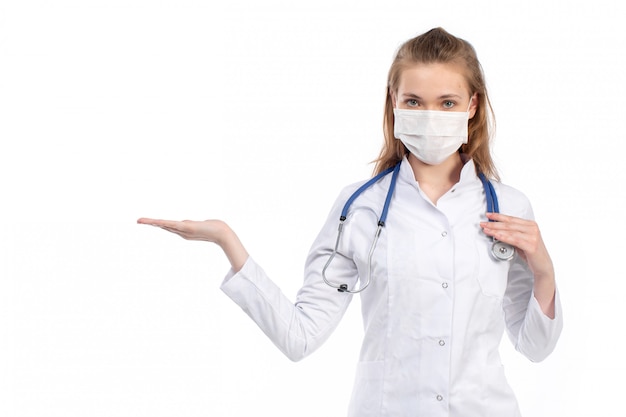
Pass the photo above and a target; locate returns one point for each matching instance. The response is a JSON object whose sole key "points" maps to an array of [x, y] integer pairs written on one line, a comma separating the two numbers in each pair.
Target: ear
{"points": [[473, 105]]}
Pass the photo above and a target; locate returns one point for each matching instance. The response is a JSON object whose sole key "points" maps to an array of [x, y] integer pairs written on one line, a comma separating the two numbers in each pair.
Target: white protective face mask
{"points": [[432, 136]]}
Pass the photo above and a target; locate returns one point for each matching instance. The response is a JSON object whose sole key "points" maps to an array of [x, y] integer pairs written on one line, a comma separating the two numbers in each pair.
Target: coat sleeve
{"points": [[532, 332], [299, 328]]}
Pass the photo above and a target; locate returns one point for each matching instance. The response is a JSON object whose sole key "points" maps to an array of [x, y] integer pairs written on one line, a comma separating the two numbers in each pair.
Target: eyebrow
{"points": [[445, 96]]}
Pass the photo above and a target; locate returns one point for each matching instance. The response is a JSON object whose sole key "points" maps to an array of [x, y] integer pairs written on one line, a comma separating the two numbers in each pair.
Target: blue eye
{"points": [[448, 104], [412, 102]]}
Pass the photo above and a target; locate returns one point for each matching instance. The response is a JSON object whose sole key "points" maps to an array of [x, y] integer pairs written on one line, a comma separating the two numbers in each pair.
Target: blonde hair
{"points": [[438, 46]]}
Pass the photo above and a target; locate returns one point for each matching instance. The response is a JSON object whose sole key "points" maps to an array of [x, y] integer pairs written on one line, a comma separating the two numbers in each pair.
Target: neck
{"points": [[436, 180], [449, 171]]}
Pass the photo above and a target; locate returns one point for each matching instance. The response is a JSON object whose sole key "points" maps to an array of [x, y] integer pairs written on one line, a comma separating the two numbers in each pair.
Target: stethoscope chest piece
{"points": [[502, 251]]}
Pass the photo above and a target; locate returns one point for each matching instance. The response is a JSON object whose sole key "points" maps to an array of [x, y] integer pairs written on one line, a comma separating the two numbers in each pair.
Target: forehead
{"points": [[438, 78]]}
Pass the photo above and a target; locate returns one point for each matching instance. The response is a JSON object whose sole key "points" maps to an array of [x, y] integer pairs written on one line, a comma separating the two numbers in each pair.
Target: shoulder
{"points": [[378, 184], [367, 193], [512, 201]]}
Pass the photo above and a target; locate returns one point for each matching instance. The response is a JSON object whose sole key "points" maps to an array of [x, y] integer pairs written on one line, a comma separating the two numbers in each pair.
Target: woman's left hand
{"points": [[525, 236]]}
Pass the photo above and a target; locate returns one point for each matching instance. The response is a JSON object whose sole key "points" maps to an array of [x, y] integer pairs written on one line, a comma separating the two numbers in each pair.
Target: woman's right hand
{"points": [[208, 230], [215, 231]]}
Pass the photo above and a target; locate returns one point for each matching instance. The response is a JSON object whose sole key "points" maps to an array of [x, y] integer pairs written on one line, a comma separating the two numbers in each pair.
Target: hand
{"points": [[208, 230], [215, 231], [525, 236]]}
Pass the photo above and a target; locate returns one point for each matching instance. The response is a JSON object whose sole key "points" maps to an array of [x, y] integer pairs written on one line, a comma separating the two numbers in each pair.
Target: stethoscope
{"points": [[500, 250]]}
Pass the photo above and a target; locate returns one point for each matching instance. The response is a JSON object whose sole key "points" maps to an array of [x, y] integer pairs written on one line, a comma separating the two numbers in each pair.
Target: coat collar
{"points": [[468, 172]]}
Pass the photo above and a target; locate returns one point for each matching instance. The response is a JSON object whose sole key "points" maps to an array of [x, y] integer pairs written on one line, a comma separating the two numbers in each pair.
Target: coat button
{"points": [[444, 285], [439, 398], [442, 342], [444, 233]]}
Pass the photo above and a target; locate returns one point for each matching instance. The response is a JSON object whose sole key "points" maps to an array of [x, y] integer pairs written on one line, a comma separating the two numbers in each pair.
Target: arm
{"points": [[299, 328], [531, 303], [532, 332], [525, 236]]}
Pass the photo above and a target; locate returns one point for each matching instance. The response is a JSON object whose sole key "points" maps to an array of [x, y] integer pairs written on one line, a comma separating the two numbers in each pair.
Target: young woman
{"points": [[442, 276]]}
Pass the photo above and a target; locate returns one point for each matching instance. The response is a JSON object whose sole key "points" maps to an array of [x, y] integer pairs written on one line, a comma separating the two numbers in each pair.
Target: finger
{"points": [[509, 225], [146, 220], [180, 228], [502, 222], [512, 235], [527, 240], [159, 222], [503, 218], [506, 227], [179, 232]]}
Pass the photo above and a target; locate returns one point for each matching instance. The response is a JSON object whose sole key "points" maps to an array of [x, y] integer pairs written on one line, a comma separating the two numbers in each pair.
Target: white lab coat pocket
{"points": [[367, 392], [492, 273]]}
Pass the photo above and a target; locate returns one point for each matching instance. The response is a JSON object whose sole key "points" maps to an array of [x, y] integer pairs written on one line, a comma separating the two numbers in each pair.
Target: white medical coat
{"points": [[435, 311]]}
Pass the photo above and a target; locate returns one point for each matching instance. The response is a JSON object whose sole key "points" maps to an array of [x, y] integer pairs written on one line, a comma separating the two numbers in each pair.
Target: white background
{"points": [[259, 113]]}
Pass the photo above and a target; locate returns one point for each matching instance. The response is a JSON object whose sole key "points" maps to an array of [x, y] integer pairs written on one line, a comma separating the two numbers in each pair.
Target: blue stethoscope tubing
{"points": [[501, 251], [379, 228]]}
